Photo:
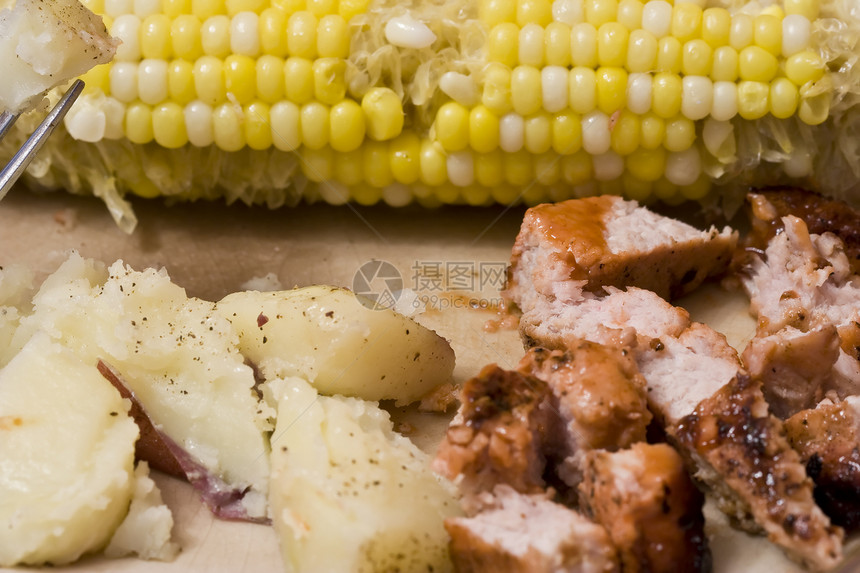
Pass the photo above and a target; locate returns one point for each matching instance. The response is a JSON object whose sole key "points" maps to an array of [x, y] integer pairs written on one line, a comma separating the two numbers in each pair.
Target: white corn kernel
{"points": [[116, 8], [531, 45], [152, 81], [397, 195], [596, 138], [334, 192], [512, 130], [697, 97], [683, 167], [461, 168], [657, 18], [93, 118], [198, 123], [407, 32], [123, 81], [639, 92], [567, 11], [144, 8], [798, 165], [460, 88], [126, 28], [796, 31], [244, 34], [554, 87], [725, 105], [607, 166], [719, 139]]}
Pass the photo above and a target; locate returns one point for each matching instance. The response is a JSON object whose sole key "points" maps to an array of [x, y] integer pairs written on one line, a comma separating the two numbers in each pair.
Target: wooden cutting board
{"points": [[450, 258]]}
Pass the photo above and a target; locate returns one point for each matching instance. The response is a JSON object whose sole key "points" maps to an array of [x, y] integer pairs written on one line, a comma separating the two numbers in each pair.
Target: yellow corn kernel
{"points": [[612, 44], [767, 33], [697, 58], [630, 14], [272, 24], [329, 80], [725, 64], [366, 195], [526, 95], [209, 80], [647, 164], [757, 64], [376, 164], [315, 125], [742, 31], [611, 89], [258, 131], [270, 78], [171, 8], [566, 132], [641, 51], [803, 67], [496, 94], [652, 131], [784, 97], [285, 117], [557, 41], [168, 125], [97, 78], [97, 6], [452, 126], [583, 45], [318, 164], [185, 37], [298, 80], [531, 45], [815, 98], [669, 55], [716, 25], [625, 134], [599, 12], [302, 35], [547, 169], [680, 134], [348, 168], [350, 8], [155, 39], [538, 133], [346, 126], [383, 113], [666, 191], [666, 90], [576, 168], [503, 45], [583, 90], [333, 37], [686, 21], [320, 8], [434, 170], [138, 123], [215, 36], [483, 129], [227, 127], [405, 150], [204, 9], [753, 99], [489, 170], [492, 12], [180, 81], [534, 12], [518, 168], [233, 7], [808, 8], [240, 77], [447, 194]]}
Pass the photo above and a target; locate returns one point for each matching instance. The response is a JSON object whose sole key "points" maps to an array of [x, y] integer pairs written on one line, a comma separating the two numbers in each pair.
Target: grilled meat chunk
{"points": [[646, 500], [739, 452], [828, 441], [505, 424], [529, 534], [581, 245], [599, 397]]}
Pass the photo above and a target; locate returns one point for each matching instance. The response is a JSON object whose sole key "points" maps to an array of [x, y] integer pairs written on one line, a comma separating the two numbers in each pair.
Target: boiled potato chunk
{"points": [[43, 44], [350, 494], [175, 353], [16, 286], [67, 462], [326, 335]]}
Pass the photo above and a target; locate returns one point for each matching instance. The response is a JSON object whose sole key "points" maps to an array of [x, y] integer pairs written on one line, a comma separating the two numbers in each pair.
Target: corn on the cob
{"points": [[470, 101]]}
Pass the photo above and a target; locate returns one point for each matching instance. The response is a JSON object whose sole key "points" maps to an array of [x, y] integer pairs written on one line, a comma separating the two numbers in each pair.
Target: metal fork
{"points": [[25, 154]]}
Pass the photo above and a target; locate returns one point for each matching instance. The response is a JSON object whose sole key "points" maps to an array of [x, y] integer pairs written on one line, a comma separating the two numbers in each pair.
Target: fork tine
{"points": [[22, 158]]}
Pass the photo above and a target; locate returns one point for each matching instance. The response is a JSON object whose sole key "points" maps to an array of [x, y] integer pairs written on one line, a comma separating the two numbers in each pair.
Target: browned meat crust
{"points": [[585, 244], [820, 214], [650, 506], [828, 441], [598, 395], [529, 534], [499, 436], [737, 448]]}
